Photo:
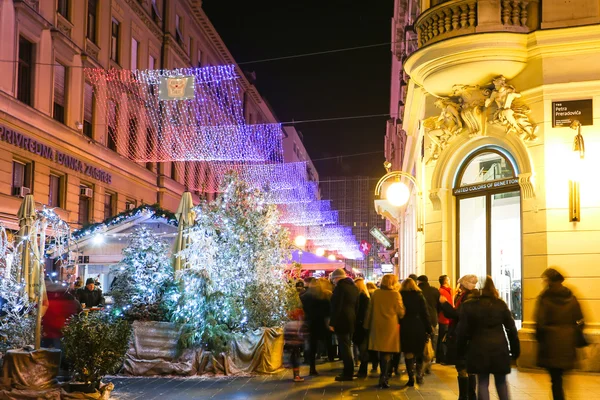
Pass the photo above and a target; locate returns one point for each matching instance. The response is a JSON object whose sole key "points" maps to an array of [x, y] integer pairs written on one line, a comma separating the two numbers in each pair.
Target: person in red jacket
{"points": [[443, 322], [62, 305]]}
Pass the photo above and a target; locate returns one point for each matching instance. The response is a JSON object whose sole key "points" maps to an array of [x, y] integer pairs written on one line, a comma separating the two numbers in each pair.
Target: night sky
{"points": [[323, 86]]}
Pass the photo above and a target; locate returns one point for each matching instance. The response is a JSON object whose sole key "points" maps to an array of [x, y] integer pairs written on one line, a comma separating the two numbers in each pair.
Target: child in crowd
{"points": [[293, 334]]}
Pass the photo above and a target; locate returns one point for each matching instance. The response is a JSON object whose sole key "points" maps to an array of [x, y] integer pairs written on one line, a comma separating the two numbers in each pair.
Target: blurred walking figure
{"points": [[329, 347], [467, 383], [316, 312], [385, 312], [344, 304], [432, 296], [373, 356], [293, 335], [559, 329], [360, 338], [415, 328], [443, 322], [482, 340]]}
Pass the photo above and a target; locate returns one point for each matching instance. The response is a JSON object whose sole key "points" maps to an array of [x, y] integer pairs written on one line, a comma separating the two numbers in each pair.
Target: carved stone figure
{"points": [[509, 113], [464, 111], [472, 100], [442, 129]]}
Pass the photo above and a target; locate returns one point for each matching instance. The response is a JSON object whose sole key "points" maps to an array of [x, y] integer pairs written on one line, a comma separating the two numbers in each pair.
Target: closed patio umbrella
{"points": [[28, 267], [185, 218]]}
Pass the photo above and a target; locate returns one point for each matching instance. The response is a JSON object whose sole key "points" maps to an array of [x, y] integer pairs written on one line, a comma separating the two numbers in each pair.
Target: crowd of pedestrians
{"points": [[470, 328]]}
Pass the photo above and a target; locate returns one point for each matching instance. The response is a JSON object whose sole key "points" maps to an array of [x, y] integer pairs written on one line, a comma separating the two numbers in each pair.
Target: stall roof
{"points": [[311, 261]]}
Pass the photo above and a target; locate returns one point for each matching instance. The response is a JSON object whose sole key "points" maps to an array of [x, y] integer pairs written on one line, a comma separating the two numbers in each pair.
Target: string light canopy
{"points": [[304, 192], [208, 126], [308, 214], [272, 176]]}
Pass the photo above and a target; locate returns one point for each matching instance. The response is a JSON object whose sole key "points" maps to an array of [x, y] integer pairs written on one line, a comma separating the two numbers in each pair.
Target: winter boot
{"points": [[363, 370], [383, 376], [472, 387], [420, 372], [463, 388], [410, 370]]}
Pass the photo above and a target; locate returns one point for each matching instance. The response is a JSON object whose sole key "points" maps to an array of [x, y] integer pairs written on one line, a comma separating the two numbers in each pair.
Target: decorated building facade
{"points": [[500, 126], [54, 129]]}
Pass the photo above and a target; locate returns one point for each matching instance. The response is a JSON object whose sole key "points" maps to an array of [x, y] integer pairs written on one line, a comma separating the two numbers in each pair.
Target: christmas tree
{"points": [[236, 262], [17, 315], [142, 276]]}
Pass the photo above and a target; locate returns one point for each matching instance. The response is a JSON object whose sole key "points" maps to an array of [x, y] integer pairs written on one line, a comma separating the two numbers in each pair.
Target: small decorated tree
{"points": [[17, 315], [142, 277]]}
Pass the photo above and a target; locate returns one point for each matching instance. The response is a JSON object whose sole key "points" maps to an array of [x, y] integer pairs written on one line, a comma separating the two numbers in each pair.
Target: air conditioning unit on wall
{"points": [[86, 192], [21, 191]]}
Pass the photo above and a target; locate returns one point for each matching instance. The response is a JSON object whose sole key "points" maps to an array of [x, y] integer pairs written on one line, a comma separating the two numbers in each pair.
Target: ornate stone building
{"points": [[54, 139], [505, 175]]}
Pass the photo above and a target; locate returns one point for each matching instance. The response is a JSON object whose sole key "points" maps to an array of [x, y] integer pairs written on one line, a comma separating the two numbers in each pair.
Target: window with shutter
{"points": [[25, 78], [151, 62], [132, 138], [88, 109], [134, 53], [91, 19], [62, 7], [111, 140], [59, 92], [54, 199], [18, 177], [84, 208], [114, 41]]}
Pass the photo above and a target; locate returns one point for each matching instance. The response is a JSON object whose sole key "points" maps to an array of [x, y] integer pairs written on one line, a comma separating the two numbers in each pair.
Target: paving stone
{"points": [[440, 385]]}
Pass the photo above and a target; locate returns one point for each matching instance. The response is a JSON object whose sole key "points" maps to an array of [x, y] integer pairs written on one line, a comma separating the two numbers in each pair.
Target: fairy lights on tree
{"points": [[142, 275], [237, 258]]}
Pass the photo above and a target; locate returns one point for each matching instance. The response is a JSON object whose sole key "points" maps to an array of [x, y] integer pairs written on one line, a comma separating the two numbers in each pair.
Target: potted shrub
{"points": [[95, 344]]}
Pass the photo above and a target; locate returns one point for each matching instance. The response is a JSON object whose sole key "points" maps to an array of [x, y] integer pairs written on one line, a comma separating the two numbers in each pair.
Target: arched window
{"points": [[488, 206], [485, 166]]}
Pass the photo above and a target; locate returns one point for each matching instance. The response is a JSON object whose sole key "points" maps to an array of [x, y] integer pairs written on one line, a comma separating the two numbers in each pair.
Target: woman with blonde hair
{"points": [[415, 329], [360, 333], [384, 314]]}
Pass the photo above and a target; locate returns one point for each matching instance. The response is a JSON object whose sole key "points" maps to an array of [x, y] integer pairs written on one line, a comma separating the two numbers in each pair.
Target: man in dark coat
{"points": [[316, 311], [467, 383], [558, 317], [344, 304], [432, 297], [90, 295]]}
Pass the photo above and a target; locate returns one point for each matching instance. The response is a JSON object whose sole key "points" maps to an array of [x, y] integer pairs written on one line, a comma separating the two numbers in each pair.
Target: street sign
{"points": [[381, 237], [564, 112], [365, 247], [387, 268]]}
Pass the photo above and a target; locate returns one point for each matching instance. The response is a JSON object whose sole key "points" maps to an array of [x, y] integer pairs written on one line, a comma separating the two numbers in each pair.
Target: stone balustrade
{"points": [[463, 17]]}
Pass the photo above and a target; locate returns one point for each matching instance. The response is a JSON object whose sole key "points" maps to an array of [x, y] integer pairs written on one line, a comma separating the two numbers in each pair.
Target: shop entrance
{"points": [[489, 224]]}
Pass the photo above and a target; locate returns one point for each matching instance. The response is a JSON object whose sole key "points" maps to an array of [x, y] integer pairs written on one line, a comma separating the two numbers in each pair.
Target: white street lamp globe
{"points": [[331, 257], [320, 252], [397, 194], [300, 241]]}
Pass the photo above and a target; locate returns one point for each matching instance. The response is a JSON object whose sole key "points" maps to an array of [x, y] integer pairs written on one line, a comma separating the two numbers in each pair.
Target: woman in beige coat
{"points": [[382, 321]]}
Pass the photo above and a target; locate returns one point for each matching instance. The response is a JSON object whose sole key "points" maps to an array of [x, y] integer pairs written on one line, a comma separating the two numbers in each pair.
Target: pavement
{"points": [[440, 385]]}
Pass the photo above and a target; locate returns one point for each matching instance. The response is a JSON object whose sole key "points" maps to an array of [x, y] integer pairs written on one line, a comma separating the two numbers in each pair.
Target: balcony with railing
{"points": [[468, 42], [464, 17]]}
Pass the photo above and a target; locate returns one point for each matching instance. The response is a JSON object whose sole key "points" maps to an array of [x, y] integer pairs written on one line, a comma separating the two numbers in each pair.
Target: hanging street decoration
{"points": [[193, 118]]}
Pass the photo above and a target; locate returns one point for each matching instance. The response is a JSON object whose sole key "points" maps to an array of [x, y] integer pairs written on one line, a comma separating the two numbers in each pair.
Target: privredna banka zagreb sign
{"points": [[33, 146], [492, 185]]}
